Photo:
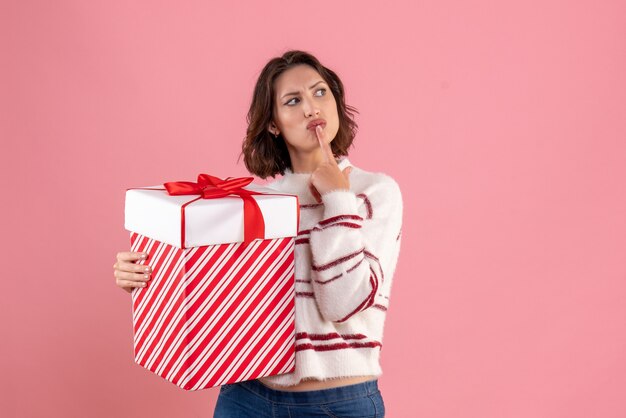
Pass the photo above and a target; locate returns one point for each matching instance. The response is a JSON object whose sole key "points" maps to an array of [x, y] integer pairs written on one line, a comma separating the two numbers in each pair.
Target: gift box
{"points": [[220, 305]]}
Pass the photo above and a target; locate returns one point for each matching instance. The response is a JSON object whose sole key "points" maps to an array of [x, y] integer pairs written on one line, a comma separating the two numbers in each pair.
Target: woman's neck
{"points": [[305, 163]]}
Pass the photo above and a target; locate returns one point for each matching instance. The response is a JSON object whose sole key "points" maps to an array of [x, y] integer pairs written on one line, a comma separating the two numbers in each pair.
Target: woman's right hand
{"points": [[129, 275]]}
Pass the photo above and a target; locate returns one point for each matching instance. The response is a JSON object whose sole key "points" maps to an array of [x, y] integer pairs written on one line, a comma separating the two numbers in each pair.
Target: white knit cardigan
{"points": [[345, 257]]}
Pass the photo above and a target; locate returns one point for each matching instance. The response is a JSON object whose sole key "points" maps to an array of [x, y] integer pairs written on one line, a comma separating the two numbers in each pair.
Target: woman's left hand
{"points": [[327, 176]]}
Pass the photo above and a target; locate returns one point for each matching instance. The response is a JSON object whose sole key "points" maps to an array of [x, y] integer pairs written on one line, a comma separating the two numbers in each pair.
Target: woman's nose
{"points": [[310, 108]]}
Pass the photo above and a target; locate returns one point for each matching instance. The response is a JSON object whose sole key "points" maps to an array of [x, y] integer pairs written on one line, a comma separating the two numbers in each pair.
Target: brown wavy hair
{"points": [[266, 156]]}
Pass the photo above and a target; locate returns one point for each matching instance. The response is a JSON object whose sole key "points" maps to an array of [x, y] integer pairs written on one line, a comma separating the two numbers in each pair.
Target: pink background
{"points": [[504, 124]]}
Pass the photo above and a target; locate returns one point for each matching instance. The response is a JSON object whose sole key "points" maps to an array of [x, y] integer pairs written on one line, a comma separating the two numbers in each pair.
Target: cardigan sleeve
{"points": [[354, 257]]}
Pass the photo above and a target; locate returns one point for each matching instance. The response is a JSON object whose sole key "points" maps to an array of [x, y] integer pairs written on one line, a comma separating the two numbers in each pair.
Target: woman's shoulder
{"points": [[369, 181], [275, 183], [373, 177]]}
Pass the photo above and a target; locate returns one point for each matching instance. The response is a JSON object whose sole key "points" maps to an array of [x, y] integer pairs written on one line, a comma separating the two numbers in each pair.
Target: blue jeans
{"points": [[253, 399]]}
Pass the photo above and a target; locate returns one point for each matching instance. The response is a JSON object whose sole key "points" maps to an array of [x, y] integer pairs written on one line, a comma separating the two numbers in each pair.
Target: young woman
{"points": [[346, 250]]}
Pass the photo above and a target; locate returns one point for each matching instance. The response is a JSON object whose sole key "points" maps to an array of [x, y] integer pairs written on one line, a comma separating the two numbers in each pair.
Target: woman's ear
{"points": [[272, 129]]}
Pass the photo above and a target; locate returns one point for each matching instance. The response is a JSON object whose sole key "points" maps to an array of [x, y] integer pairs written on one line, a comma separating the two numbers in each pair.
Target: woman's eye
{"points": [[295, 98]]}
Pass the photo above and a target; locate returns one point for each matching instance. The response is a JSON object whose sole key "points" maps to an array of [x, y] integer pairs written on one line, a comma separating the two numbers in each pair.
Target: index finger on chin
{"points": [[326, 149]]}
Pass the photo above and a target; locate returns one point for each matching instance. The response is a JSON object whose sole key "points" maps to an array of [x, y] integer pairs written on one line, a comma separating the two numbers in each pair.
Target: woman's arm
{"points": [[354, 257]]}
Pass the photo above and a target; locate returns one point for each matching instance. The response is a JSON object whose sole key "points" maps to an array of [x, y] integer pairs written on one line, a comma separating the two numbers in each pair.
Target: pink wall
{"points": [[503, 123]]}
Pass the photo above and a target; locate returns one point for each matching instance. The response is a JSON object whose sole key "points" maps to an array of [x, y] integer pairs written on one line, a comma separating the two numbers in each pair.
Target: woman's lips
{"points": [[313, 125]]}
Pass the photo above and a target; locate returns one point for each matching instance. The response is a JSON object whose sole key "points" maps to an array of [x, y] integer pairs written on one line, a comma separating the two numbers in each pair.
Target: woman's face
{"points": [[300, 96]]}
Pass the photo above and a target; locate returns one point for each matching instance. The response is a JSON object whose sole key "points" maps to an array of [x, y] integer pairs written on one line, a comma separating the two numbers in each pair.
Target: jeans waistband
{"points": [[340, 393]]}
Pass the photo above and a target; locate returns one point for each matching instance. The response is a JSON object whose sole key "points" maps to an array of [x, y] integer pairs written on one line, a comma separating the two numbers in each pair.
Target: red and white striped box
{"points": [[218, 313]]}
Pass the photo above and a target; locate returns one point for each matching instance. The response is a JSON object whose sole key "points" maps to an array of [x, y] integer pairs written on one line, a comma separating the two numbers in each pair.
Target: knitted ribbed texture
{"points": [[346, 253]]}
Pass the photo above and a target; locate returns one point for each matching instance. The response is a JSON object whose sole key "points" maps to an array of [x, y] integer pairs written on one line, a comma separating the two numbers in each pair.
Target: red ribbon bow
{"points": [[211, 187]]}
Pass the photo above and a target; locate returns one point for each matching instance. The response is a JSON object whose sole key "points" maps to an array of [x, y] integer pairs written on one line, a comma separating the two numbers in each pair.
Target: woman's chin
{"points": [[311, 133]]}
